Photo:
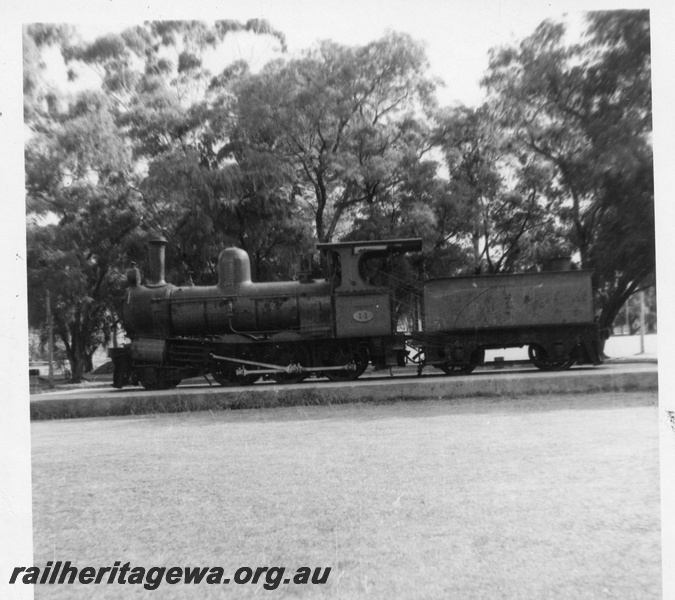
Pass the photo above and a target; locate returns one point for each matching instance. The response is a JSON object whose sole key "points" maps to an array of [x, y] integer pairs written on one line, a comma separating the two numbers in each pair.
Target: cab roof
{"points": [[400, 245]]}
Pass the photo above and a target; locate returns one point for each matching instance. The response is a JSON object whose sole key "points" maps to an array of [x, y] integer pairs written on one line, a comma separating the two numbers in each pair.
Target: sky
{"points": [[457, 34]]}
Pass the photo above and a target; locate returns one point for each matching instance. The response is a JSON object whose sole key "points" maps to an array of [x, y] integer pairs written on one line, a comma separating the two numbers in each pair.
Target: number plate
{"points": [[363, 316]]}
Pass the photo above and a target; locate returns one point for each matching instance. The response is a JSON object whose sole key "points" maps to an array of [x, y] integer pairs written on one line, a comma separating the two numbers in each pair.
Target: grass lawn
{"points": [[554, 497]]}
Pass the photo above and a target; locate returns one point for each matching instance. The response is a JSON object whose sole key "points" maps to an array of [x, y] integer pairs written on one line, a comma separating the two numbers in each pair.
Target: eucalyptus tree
{"points": [[503, 198], [89, 197], [342, 122], [585, 110], [176, 113], [40, 95], [81, 216]]}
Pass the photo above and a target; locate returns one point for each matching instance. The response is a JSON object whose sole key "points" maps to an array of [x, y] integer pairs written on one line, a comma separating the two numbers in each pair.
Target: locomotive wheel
{"points": [[337, 355], [457, 369], [225, 373], [227, 376], [539, 358], [290, 354]]}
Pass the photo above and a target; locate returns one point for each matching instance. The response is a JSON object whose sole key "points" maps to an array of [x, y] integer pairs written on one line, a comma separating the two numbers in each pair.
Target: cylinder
{"points": [[148, 350]]}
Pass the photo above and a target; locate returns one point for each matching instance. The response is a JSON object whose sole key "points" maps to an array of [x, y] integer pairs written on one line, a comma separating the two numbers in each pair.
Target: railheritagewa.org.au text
{"points": [[64, 573]]}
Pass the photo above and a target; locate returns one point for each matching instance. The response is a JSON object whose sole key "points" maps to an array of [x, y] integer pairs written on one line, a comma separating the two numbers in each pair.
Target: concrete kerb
{"points": [[632, 360], [508, 385]]}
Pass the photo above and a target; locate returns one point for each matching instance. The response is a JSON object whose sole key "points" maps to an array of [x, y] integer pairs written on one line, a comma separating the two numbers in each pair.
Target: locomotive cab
{"points": [[362, 296]]}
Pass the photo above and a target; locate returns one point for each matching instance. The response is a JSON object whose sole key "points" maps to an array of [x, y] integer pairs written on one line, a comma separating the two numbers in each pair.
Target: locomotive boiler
{"points": [[239, 331]]}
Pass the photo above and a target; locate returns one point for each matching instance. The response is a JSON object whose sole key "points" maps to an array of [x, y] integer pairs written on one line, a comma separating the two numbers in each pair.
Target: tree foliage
{"points": [[140, 154], [76, 178], [342, 121], [177, 116], [505, 203], [39, 95], [585, 110]]}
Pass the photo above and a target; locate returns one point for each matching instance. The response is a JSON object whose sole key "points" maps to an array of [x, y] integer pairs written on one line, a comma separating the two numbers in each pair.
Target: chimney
{"points": [[156, 251]]}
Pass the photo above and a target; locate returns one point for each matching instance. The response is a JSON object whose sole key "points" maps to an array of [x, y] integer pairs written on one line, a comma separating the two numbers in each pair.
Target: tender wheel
{"points": [[540, 359], [225, 373], [290, 354], [337, 355]]}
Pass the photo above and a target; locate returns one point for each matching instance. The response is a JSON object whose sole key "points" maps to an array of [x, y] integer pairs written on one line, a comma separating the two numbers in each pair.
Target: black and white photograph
{"points": [[347, 300]]}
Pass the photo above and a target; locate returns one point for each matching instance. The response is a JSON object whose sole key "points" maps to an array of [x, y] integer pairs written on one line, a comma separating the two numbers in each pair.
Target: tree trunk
{"points": [[79, 359], [77, 367], [613, 304], [476, 251], [89, 362]]}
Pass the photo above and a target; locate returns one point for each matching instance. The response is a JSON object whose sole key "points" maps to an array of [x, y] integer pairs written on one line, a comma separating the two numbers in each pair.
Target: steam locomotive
{"points": [[239, 331]]}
